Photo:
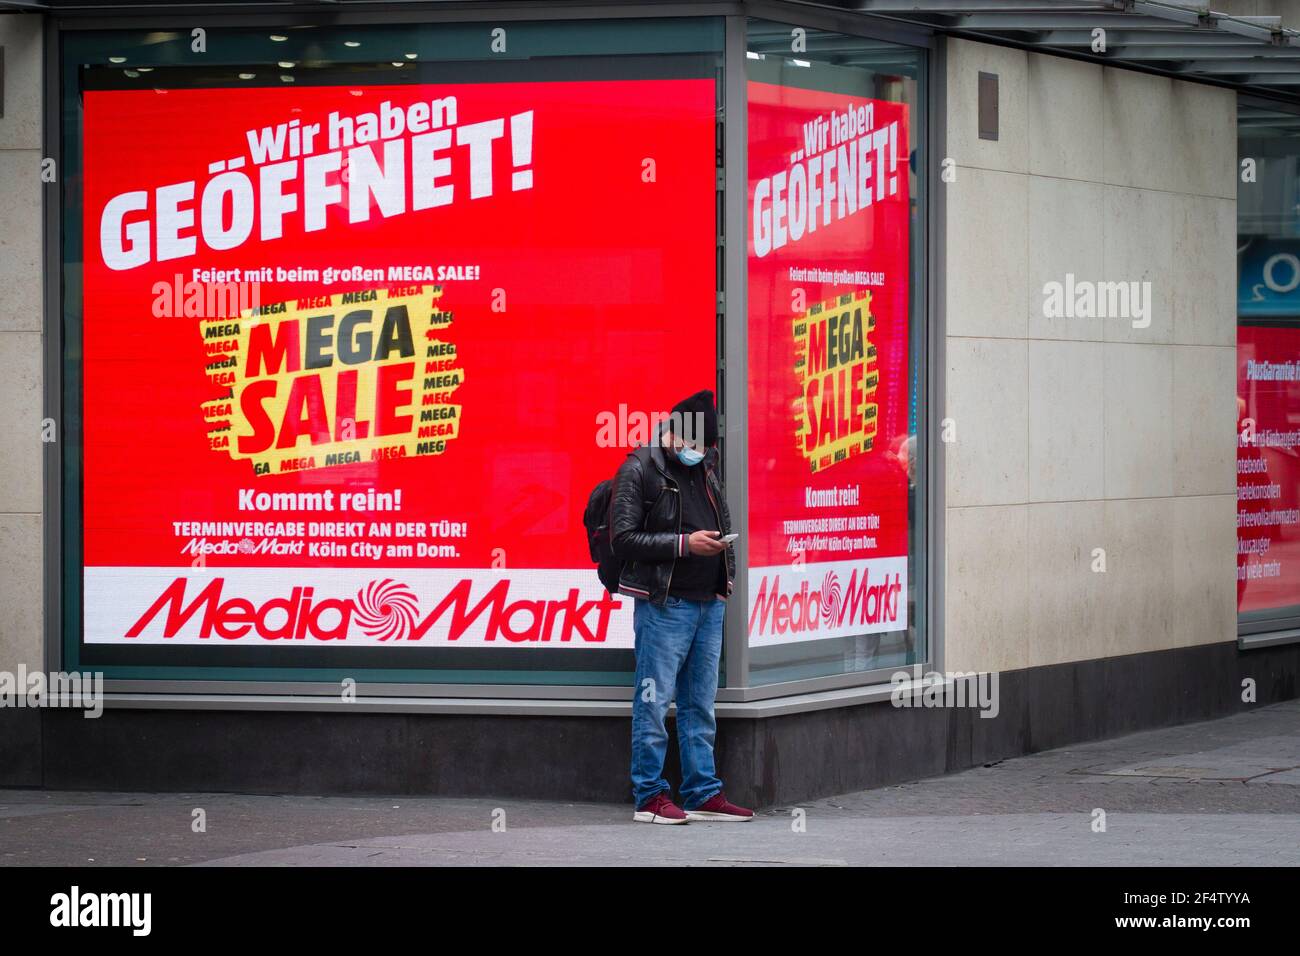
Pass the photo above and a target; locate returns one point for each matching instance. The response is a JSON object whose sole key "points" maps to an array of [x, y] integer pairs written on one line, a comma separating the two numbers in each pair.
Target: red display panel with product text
{"points": [[828, 365], [348, 352], [1268, 467]]}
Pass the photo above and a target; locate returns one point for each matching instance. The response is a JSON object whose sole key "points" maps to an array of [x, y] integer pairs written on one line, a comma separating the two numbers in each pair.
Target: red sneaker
{"points": [[659, 809], [717, 810]]}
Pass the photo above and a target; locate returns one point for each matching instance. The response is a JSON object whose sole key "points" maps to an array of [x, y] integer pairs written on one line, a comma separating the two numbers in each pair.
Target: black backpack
{"points": [[596, 521]]}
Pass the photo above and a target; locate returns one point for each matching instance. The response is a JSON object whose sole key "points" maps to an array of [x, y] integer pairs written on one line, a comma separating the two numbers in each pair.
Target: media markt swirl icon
{"points": [[830, 601], [386, 610]]}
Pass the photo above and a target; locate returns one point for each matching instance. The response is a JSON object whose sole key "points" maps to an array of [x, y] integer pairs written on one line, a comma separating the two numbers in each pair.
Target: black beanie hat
{"points": [[683, 418]]}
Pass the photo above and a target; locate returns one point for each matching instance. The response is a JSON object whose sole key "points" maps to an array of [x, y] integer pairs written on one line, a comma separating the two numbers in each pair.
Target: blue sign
{"points": [[1268, 278]]}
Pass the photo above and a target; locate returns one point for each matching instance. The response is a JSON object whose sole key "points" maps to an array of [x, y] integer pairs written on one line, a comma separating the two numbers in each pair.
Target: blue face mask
{"points": [[689, 456]]}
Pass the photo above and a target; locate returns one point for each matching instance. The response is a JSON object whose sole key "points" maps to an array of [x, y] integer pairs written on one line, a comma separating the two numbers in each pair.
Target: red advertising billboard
{"points": [[1268, 467], [351, 353], [828, 365]]}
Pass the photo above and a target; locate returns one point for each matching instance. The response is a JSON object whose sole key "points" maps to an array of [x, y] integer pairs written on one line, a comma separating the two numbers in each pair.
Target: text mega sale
{"points": [[347, 352], [829, 451]]}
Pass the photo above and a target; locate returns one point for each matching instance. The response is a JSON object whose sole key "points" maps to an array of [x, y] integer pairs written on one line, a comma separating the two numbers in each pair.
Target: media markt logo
{"points": [[835, 418], [862, 605], [243, 546], [383, 611]]}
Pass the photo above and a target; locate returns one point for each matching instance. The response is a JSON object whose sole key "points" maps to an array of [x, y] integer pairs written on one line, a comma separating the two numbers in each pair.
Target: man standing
{"points": [[668, 520]]}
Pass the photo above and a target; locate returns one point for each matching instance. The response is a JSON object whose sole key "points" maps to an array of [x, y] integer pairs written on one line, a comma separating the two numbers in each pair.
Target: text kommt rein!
{"points": [[325, 500], [393, 161]]}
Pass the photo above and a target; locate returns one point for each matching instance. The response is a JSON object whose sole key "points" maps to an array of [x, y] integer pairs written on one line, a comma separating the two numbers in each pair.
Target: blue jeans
{"points": [[678, 646]]}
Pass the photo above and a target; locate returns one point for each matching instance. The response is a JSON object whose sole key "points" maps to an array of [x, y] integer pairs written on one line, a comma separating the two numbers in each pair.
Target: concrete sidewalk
{"points": [[1220, 793]]}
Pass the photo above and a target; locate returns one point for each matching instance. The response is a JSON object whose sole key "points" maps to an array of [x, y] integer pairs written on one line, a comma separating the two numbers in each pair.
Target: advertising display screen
{"points": [[348, 350], [830, 458], [1268, 426], [1268, 467]]}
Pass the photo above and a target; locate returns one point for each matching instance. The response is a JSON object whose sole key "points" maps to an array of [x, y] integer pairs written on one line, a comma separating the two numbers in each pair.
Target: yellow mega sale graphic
{"points": [[334, 380], [835, 417]]}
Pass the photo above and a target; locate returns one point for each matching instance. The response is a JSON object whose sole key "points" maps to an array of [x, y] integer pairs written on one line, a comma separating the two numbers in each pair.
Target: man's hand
{"points": [[706, 543]]}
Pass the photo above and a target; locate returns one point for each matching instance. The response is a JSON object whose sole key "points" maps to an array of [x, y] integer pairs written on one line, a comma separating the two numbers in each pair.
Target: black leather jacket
{"points": [[646, 523]]}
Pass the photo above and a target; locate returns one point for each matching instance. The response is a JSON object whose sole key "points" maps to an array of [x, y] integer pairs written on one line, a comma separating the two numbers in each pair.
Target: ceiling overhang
{"points": [[1181, 38]]}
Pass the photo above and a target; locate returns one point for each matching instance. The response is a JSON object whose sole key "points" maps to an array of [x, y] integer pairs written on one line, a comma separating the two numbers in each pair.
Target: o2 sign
{"points": [[1269, 277], [1270, 264]]}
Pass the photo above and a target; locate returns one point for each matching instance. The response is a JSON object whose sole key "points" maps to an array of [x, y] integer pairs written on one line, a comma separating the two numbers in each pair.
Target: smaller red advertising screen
{"points": [[829, 443], [1268, 467]]}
